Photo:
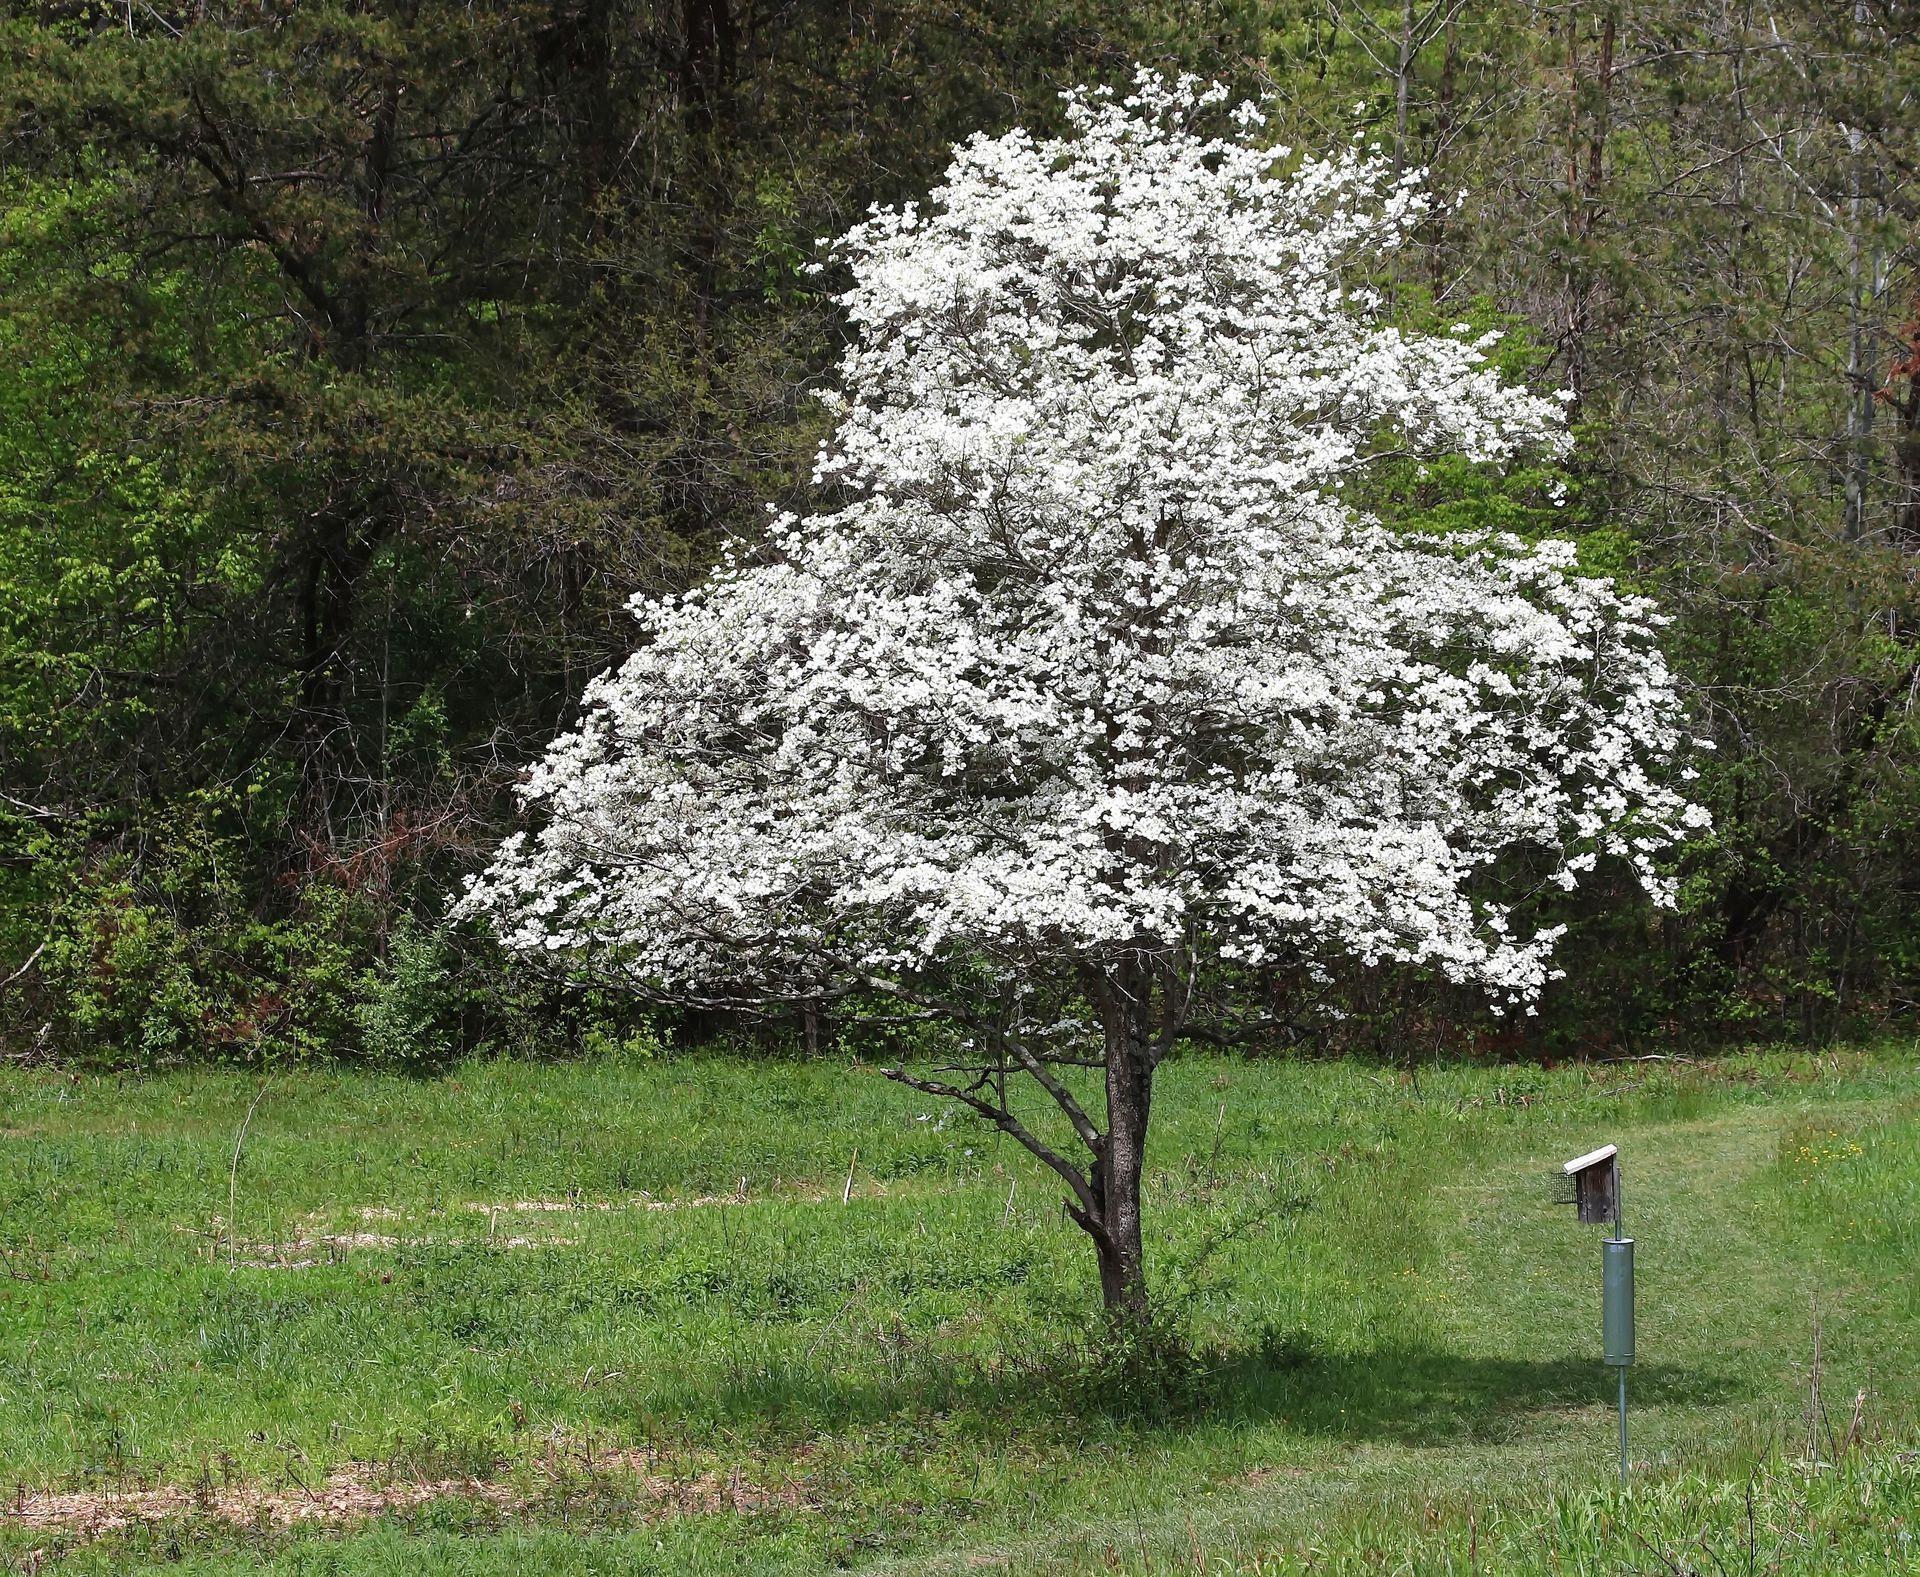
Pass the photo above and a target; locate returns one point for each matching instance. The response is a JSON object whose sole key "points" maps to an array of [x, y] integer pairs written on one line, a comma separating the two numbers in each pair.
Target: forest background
{"points": [[358, 362]]}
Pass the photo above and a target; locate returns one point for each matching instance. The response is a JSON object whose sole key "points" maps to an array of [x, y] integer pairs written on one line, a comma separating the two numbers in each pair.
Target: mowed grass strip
{"points": [[515, 1273]]}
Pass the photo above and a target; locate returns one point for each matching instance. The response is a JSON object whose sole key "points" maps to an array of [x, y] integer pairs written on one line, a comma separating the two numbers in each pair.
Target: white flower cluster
{"points": [[1097, 654]]}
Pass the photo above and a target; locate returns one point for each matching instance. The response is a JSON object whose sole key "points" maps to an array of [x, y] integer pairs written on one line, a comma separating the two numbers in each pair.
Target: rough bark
{"points": [[1126, 1011]]}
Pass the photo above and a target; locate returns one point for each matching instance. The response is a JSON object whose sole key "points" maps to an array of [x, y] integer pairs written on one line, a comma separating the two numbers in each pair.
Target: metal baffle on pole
{"points": [[1616, 1276]]}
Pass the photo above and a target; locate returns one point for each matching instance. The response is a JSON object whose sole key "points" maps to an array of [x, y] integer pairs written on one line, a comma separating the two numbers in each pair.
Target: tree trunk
{"points": [[1126, 1011], [1402, 84]]}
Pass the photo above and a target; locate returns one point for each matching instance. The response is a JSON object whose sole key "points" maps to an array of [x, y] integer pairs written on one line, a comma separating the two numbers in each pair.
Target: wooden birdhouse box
{"points": [[1596, 1183]]}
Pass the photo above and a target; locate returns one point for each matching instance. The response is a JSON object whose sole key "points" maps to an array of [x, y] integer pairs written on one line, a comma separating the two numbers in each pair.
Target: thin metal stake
{"points": [[1617, 1235], [1623, 1428]]}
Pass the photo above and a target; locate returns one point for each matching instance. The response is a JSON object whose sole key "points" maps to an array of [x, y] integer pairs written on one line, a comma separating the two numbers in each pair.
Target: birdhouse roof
{"points": [[1580, 1163]]}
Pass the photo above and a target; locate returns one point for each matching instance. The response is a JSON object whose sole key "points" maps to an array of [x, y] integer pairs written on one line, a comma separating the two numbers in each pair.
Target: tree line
{"points": [[361, 362]]}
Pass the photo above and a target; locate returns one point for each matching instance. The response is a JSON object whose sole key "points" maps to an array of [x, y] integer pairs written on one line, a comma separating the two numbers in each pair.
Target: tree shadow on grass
{"points": [[1405, 1394], [1412, 1395]]}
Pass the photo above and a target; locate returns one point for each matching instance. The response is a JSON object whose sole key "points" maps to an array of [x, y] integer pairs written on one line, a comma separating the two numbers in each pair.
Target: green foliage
{"points": [[403, 1011], [157, 960]]}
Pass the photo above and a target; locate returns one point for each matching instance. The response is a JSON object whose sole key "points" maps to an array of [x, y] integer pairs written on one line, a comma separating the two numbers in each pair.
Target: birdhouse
{"points": [[1596, 1183]]}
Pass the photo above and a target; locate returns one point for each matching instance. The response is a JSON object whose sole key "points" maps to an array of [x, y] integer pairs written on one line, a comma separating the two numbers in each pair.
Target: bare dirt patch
{"points": [[641, 1201], [361, 1491], [313, 1243], [1253, 1478], [302, 1251], [345, 1496]]}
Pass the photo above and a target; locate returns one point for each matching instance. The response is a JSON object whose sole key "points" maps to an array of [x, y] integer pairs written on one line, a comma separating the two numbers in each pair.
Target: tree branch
{"points": [[1062, 1096], [32, 959], [38, 812], [1010, 1125]]}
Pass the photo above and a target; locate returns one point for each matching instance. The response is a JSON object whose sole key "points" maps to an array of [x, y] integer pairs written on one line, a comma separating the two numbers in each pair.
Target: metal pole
{"points": [[1617, 1235], [1623, 1428]]}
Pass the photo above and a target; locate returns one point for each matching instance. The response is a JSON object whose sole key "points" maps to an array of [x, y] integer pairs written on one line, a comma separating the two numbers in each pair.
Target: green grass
{"points": [[1400, 1328]]}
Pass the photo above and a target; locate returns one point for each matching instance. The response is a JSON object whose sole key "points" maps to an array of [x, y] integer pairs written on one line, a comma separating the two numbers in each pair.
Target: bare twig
{"points": [[32, 959], [38, 812], [1815, 1407], [233, 1171]]}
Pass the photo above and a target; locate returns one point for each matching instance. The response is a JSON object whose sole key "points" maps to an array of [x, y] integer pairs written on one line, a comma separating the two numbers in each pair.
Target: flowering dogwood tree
{"points": [[1094, 684]]}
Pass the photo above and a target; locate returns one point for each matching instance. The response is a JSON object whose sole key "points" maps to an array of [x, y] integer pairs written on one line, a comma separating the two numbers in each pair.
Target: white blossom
{"points": [[1091, 651]]}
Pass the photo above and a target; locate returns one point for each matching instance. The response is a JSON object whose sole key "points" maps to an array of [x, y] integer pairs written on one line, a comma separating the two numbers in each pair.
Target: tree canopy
{"points": [[1100, 682]]}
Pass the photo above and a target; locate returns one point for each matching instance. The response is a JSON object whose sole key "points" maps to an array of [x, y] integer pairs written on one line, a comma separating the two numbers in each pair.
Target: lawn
{"points": [[629, 1315]]}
